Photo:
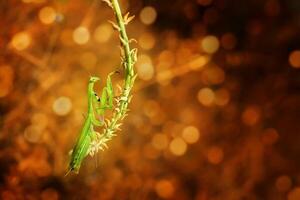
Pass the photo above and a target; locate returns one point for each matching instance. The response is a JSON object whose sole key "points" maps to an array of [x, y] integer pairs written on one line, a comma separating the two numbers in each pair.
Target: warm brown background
{"points": [[216, 107]]}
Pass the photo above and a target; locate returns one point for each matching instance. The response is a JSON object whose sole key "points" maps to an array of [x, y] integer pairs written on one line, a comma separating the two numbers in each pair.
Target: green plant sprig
{"points": [[90, 141], [128, 59]]}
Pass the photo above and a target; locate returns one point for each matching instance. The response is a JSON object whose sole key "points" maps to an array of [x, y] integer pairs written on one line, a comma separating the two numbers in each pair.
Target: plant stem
{"points": [[123, 35], [119, 112]]}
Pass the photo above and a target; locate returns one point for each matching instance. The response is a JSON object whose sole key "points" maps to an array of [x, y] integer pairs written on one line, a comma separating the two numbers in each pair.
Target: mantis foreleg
{"points": [[107, 96]]}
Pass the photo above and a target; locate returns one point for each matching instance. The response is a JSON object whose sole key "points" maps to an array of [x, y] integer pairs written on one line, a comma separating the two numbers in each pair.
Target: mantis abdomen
{"points": [[82, 145]]}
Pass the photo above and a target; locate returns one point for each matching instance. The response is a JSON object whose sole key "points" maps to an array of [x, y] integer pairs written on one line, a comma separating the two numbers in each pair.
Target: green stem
{"points": [[123, 35], [121, 108]]}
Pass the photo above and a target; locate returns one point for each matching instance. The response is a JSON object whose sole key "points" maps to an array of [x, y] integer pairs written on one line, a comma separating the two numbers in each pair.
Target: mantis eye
{"points": [[97, 97]]}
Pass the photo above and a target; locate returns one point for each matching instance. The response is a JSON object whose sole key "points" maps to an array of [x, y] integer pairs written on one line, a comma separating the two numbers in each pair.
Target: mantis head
{"points": [[94, 79]]}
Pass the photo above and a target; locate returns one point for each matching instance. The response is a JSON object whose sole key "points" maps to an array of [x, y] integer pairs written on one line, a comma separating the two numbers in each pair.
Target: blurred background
{"points": [[215, 110]]}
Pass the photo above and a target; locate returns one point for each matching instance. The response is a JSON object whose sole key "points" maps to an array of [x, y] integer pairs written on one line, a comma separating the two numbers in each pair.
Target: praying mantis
{"points": [[83, 146], [90, 141]]}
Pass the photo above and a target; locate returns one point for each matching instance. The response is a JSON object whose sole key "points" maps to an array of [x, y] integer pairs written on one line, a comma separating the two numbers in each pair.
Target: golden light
{"points": [[150, 152], [183, 54], [168, 126], [66, 37], [294, 59], [213, 75], [21, 40], [206, 96], [47, 15], [103, 33], [187, 115], [215, 155], [222, 97], [190, 134], [81, 35], [283, 183], [294, 194], [33, 133], [210, 44], [164, 189], [145, 68], [148, 15], [151, 108], [62, 106], [146, 71], [88, 60], [199, 62], [160, 141], [147, 41], [251, 115], [6, 80], [33, 1], [164, 77], [178, 146], [165, 60], [40, 119]]}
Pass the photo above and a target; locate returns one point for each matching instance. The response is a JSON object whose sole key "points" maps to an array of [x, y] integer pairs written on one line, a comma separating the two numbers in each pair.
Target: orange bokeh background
{"points": [[215, 108]]}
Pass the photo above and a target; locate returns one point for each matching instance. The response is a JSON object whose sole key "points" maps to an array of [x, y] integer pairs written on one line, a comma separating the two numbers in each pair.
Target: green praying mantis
{"points": [[88, 138], [90, 141]]}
